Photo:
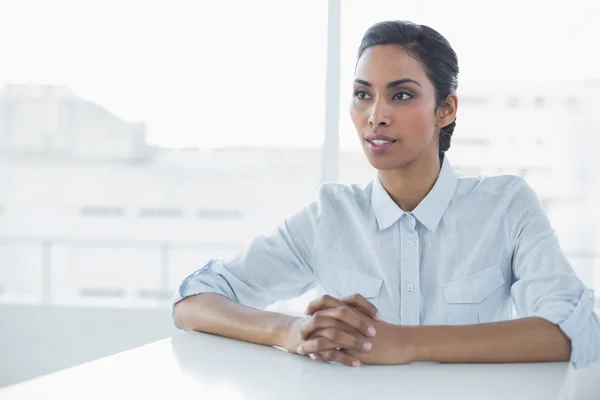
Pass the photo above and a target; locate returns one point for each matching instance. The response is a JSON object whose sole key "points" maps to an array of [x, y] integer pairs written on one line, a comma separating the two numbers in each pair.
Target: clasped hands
{"points": [[349, 331]]}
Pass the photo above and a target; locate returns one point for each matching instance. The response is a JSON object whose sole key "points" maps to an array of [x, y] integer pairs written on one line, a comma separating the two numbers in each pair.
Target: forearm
{"points": [[522, 340], [214, 313]]}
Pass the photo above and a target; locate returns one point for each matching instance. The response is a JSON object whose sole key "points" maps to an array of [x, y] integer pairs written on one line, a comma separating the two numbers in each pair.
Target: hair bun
{"points": [[445, 135], [449, 129]]}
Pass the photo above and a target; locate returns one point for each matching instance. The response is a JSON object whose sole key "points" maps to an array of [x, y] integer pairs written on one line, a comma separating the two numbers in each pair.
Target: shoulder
{"points": [[499, 189], [492, 185], [343, 196], [498, 186], [333, 201]]}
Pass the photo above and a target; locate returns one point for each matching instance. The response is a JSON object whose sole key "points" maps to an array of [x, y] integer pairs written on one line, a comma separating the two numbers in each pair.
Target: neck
{"points": [[410, 184]]}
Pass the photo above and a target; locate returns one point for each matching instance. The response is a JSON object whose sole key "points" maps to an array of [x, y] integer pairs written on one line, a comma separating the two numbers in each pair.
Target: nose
{"points": [[378, 116]]}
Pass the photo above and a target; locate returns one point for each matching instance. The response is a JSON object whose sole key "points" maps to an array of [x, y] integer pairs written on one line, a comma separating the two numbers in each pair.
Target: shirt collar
{"points": [[430, 210]]}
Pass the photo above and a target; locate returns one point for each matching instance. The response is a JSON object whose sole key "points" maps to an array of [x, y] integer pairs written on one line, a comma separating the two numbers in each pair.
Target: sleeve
{"points": [[270, 268], [545, 284]]}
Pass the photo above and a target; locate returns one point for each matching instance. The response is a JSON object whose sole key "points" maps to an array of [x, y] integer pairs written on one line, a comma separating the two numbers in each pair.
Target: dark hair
{"points": [[431, 49]]}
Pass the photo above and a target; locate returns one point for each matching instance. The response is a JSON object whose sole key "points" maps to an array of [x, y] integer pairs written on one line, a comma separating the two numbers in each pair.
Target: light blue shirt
{"points": [[472, 245]]}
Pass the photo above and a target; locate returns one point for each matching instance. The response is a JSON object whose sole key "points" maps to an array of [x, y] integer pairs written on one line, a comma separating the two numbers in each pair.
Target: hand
{"points": [[391, 345], [341, 327], [356, 300], [292, 338], [353, 326]]}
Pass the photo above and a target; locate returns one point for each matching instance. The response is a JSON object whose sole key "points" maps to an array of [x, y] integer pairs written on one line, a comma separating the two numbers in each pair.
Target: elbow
{"points": [[192, 312], [178, 319], [182, 314], [585, 346]]}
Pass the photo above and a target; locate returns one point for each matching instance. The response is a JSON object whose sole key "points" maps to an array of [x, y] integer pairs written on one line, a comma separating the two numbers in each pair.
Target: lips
{"points": [[377, 137], [379, 143]]}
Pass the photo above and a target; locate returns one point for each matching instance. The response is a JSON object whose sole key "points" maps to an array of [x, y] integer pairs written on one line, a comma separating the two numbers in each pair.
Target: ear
{"points": [[446, 113]]}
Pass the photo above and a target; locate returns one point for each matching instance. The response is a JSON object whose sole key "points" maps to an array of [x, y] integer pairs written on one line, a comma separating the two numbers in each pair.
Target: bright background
{"points": [[138, 139]]}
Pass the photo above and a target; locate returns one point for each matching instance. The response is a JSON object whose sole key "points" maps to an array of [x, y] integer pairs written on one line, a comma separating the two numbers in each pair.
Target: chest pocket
{"points": [[341, 282], [475, 298]]}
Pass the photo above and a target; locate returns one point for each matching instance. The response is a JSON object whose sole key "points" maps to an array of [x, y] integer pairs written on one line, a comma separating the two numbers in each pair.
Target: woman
{"points": [[419, 265]]}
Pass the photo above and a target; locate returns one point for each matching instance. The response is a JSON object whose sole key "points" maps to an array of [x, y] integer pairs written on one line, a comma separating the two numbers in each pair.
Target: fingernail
{"points": [[300, 350], [371, 331], [356, 363], [367, 345], [378, 317]]}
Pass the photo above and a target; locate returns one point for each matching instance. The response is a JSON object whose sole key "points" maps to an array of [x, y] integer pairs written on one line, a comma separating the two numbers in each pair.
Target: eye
{"points": [[402, 96], [361, 94]]}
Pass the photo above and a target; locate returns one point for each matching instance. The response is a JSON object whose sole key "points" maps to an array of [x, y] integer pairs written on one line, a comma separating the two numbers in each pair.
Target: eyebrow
{"points": [[390, 84]]}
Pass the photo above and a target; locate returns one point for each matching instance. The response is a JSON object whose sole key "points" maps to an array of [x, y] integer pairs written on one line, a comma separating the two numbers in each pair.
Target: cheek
{"points": [[359, 116], [418, 122]]}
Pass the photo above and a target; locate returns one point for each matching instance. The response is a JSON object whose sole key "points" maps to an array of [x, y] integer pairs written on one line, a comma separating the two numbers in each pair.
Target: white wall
{"points": [[36, 340]]}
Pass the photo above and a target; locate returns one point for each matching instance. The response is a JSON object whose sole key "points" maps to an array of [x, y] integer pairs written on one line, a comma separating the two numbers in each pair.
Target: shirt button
{"points": [[410, 287], [410, 243]]}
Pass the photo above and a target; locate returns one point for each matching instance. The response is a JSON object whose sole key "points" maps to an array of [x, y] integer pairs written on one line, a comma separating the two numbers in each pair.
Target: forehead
{"points": [[385, 63]]}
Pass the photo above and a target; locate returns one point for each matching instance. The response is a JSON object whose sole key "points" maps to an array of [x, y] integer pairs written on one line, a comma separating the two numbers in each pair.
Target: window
{"points": [[131, 162], [126, 156], [476, 141], [218, 214], [100, 292], [473, 101], [539, 101], [514, 102], [572, 102], [161, 212], [100, 211]]}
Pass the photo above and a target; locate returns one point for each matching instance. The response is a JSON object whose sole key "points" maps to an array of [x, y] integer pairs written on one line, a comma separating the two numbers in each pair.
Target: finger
{"points": [[351, 317], [323, 302], [324, 346], [340, 357], [316, 345], [321, 321], [365, 306], [343, 339]]}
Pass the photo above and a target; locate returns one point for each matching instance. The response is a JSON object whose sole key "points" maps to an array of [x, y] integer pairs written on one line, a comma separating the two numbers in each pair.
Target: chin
{"points": [[387, 163], [400, 158]]}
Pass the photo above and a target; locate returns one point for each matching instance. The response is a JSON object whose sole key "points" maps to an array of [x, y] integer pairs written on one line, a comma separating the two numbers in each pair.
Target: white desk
{"points": [[200, 366]]}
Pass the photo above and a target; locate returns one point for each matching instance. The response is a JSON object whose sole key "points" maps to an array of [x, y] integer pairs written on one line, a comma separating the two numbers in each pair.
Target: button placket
{"points": [[409, 272]]}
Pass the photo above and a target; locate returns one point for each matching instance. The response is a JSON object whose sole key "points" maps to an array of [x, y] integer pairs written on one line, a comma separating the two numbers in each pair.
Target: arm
{"points": [[522, 340], [219, 315], [225, 297], [545, 285], [214, 313]]}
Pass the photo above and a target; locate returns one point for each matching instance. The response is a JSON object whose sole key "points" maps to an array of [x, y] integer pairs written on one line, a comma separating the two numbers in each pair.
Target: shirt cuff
{"points": [[580, 326], [192, 285], [577, 320]]}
